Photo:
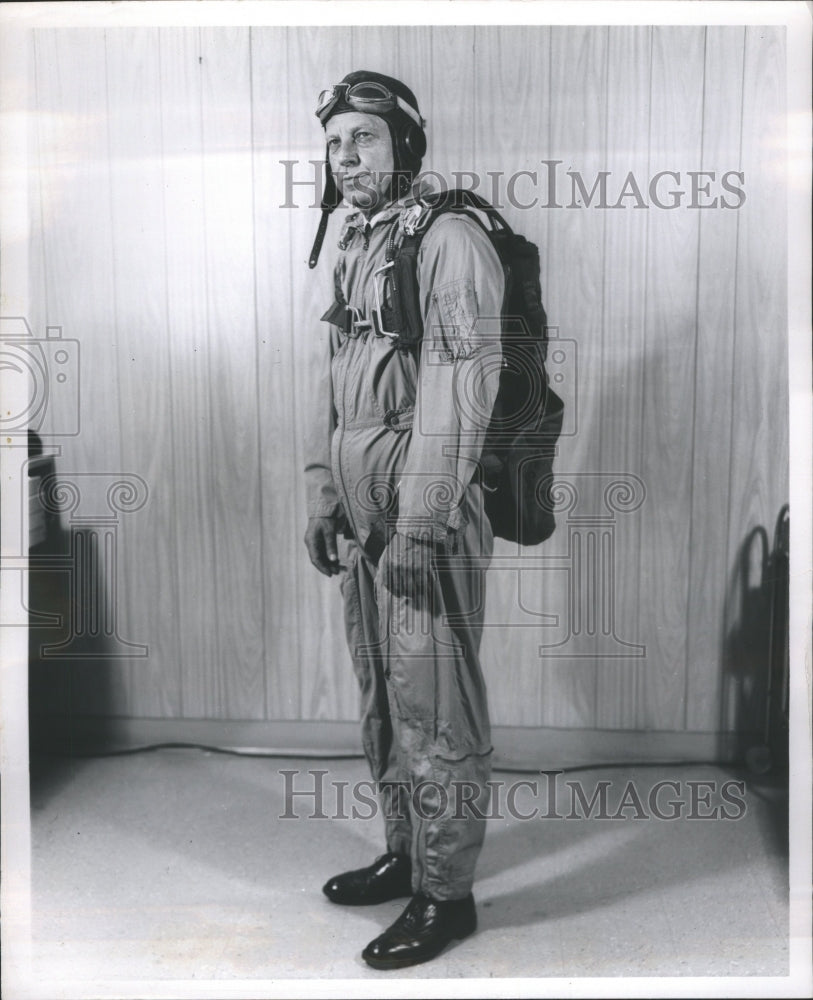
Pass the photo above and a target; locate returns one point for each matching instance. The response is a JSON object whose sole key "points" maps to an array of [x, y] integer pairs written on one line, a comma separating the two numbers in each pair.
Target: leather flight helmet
{"points": [[388, 98]]}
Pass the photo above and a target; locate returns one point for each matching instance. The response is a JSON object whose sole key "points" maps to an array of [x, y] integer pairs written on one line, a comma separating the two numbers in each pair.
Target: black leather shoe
{"points": [[388, 877], [422, 931]]}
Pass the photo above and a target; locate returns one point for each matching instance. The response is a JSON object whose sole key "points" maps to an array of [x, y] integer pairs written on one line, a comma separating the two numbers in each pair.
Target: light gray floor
{"points": [[175, 865]]}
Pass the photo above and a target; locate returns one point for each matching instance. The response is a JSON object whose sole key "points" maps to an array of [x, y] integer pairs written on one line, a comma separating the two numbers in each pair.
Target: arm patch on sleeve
{"points": [[457, 313]]}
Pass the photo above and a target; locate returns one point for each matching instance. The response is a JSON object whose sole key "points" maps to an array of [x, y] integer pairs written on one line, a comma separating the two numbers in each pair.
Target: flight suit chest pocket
{"points": [[353, 382], [392, 379]]}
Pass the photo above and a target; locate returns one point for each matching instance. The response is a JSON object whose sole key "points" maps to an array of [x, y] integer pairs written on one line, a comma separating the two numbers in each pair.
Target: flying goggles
{"points": [[371, 97]]}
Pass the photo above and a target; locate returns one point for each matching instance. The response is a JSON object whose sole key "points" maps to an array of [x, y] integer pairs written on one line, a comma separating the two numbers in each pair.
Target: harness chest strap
{"points": [[397, 312]]}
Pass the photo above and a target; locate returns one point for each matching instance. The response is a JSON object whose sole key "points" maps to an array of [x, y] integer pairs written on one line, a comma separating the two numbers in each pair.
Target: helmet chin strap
{"points": [[313, 260]]}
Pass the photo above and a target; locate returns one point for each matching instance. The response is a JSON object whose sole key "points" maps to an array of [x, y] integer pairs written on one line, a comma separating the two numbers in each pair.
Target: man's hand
{"points": [[320, 539], [406, 567]]}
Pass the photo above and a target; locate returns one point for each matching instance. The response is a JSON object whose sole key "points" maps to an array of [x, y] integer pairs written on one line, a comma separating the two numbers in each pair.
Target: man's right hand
{"points": [[320, 539]]}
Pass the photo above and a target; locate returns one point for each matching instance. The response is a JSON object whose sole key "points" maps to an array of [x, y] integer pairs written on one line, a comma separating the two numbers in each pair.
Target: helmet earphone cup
{"points": [[408, 144], [413, 139]]}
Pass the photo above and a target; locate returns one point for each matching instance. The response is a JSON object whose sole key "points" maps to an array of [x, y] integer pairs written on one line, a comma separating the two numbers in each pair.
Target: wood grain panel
{"points": [[377, 49], [416, 69], [77, 226], [328, 686], [194, 480], [671, 320], [229, 233], [47, 688], [511, 102], [578, 138], [281, 538], [620, 428], [759, 456], [716, 331], [450, 104], [39, 287], [140, 297]]}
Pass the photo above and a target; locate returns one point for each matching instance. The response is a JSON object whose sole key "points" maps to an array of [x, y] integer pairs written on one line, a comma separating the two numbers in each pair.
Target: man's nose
{"points": [[348, 153]]}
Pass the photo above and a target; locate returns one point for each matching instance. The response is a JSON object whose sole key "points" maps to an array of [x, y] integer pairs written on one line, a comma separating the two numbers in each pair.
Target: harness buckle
{"points": [[415, 218], [380, 277], [358, 325]]}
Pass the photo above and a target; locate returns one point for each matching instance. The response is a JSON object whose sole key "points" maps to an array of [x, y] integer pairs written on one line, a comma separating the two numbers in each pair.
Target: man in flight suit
{"points": [[392, 457]]}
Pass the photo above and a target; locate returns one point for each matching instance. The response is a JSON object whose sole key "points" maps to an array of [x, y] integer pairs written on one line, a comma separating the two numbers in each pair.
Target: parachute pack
{"points": [[516, 466]]}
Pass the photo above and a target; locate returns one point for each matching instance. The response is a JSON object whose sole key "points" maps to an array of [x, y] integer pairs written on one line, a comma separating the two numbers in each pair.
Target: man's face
{"points": [[360, 152]]}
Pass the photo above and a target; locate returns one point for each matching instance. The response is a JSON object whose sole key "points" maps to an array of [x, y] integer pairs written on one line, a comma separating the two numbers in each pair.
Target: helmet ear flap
{"points": [[331, 198]]}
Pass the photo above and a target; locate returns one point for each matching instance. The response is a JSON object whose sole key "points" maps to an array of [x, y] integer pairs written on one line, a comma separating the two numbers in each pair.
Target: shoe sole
{"points": [[384, 965], [367, 902]]}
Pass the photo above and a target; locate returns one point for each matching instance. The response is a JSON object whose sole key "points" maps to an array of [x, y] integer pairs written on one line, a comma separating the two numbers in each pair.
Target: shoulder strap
{"points": [[464, 202], [401, 305], [397, 292]]}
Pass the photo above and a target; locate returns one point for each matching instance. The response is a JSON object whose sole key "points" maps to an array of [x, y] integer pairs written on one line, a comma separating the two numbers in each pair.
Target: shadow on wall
{"points": [[754, 702], [72, 603]]}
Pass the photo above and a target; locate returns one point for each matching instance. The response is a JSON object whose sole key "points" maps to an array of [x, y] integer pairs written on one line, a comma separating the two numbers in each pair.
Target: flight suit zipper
{"points": [[339, 465]]}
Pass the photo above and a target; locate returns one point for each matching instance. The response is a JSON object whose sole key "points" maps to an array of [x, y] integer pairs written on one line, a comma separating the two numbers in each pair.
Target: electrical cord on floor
{"points": [[288, 754], [233, 751]]}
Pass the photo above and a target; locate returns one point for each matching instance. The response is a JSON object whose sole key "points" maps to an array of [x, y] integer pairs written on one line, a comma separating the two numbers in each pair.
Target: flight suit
{"points": [[394, 443]]}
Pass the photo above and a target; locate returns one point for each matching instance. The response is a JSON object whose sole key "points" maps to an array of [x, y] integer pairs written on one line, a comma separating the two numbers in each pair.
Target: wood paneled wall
{"points": [[159, 242]]}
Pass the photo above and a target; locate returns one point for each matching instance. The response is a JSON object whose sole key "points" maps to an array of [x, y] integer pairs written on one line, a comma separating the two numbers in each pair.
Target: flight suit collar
{"points": [[357, 222]]}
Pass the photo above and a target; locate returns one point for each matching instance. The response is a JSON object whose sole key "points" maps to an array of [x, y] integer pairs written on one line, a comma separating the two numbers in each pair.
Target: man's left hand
{"points": [[407, 565]]}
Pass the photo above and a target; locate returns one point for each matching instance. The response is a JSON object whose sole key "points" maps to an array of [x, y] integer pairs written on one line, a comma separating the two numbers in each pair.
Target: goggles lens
{"points": [[371, 93], [326, 98], [369, 96]]}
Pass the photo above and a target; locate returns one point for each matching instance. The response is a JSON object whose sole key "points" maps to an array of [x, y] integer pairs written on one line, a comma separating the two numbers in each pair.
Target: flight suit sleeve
{"points": [[320, 490], [462, 285]]}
